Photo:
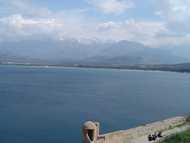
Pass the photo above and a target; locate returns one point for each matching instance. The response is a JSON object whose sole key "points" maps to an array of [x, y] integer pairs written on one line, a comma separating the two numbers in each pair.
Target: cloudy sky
{"points": [[151, 22]]}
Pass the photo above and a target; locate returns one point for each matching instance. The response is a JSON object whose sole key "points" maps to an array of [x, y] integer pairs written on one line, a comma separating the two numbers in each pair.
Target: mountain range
{"points": [[73, 52]]}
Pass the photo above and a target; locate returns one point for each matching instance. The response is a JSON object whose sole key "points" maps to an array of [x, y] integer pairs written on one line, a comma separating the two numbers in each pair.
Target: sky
{"points": [[151, 22]]}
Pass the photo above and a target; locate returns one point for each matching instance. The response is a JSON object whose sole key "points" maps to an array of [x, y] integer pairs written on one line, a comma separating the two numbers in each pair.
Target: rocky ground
{"points": [[166, 134]]}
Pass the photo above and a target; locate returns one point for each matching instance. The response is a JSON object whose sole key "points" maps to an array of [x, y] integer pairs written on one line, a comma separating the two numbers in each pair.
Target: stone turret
{"points": [[90, 132]]}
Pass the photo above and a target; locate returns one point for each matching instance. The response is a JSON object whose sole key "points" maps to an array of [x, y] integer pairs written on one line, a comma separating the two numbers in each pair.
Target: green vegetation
{"points": [[180, 138]]}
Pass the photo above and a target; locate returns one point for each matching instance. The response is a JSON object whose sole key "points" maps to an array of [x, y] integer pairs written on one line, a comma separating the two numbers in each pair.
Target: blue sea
{"points": [[49, 105]]}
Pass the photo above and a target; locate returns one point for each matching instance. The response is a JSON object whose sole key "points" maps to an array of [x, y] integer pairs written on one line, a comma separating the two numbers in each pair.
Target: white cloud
{"points": [[25, 7], [18, 26], [112, 6], [18, 21], [175, 10], [176, 13], [41, 22], [140, 31]]}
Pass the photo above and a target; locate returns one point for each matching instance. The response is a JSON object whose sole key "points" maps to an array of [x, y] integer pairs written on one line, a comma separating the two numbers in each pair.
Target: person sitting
{"points": [[149, 137], [154, 136], [160, 134]]}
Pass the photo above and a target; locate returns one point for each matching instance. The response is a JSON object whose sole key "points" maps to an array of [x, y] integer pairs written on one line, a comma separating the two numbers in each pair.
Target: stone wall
{"points": [[124, 136]]}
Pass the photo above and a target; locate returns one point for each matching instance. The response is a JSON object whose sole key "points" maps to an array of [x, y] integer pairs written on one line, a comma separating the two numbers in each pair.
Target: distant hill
{"points": [[130, 53], [73, 52]]}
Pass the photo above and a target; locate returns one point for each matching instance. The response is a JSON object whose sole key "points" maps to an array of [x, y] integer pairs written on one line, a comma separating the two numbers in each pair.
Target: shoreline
{"points": [[92, 67]]}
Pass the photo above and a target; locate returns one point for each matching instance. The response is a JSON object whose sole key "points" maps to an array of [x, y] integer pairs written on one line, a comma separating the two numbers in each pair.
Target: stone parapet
{"points": [[91, 131]]}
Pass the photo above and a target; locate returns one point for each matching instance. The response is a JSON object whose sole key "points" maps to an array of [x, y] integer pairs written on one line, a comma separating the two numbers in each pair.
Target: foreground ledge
{"points": [[168, 127]]}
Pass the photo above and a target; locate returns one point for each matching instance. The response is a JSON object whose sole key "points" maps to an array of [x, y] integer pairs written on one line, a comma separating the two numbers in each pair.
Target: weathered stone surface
{"points": [[126, 136]]}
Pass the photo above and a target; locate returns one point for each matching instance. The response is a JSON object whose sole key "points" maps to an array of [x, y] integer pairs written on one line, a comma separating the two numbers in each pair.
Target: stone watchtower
{"points": [[90, 132]]}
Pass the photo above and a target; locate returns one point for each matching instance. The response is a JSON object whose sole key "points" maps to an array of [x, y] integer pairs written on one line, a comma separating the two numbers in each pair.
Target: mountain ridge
{"points": [[94, 53]]}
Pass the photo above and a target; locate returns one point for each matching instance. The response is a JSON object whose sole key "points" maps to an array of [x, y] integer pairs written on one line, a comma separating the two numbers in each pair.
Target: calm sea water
{"points": [[49, 105]]}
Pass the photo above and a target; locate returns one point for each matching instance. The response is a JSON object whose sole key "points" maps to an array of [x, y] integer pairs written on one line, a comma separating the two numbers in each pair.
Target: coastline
{"points": [[127, 68]]}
